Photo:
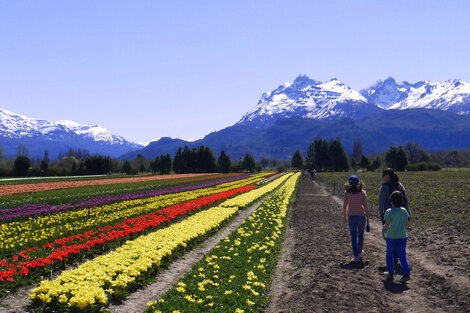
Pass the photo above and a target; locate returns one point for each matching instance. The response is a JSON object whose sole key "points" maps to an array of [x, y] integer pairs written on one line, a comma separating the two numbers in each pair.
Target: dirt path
{"points": [[314, 273]]}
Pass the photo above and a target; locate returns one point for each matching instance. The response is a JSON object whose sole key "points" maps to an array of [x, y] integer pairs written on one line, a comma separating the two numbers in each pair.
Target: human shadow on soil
{"points": [[390, 285], [354, 265], [393, 287]]}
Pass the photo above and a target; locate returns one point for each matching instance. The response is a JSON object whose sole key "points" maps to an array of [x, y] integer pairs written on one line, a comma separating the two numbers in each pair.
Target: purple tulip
{"points": [[35, 209]]}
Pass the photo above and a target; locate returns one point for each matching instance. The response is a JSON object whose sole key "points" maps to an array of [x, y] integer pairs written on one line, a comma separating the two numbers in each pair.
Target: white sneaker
{"points": [[361, 254]]}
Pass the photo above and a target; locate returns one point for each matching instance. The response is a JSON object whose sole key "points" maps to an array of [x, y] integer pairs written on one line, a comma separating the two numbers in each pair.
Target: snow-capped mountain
{"points": [[39, 135], [308, 98], [451, 95]]}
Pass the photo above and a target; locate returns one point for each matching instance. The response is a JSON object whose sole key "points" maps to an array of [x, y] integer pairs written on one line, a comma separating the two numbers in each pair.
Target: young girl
{"points": [[396, 221], [355, 214]]}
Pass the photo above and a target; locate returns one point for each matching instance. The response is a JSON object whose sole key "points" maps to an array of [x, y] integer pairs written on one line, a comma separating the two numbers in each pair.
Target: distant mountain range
{"points": [[434, 129], [387, 113], [310, 99], [452, 95], [290, 117], [57, 137], [332, 100]]}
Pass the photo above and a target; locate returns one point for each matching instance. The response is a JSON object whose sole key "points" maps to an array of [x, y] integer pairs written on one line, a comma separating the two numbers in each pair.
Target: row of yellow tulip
{"points": [[249, 197], [234, 275], [91, 284], [38, 230]]}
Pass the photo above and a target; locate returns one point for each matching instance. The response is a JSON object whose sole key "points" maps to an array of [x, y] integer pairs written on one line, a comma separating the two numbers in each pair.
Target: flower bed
{"points": [[92, 284], [6, 190], [248, 198], [235, 274], [36, 209], [39, 230], [30, 261]]}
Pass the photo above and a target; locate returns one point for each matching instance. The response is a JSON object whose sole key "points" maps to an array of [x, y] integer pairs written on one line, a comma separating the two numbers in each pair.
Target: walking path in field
{"points": [[314, 273]]}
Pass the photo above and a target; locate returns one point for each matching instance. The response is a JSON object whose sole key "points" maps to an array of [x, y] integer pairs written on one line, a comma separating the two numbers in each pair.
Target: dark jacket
{"points": [[384, 198]]}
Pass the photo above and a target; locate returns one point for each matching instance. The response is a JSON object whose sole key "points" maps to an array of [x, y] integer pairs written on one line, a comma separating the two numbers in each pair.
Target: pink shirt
{"points": [[356, 201]]}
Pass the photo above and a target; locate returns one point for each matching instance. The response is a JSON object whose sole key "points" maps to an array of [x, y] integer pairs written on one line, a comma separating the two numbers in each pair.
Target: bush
{"points": [[22, 164], [424, 166], [281, 168], [35, 171], [5, 172]]}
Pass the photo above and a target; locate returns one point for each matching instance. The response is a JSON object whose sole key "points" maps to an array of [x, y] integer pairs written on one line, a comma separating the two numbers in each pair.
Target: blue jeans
{"points": [[356, 227], [400, 246]]}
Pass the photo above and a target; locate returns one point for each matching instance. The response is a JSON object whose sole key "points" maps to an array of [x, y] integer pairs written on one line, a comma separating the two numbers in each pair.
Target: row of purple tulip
{"points": [[35, 209]]}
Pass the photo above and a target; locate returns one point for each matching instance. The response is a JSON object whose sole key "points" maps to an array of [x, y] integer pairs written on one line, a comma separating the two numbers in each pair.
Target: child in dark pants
{"points": [[396, 221]]}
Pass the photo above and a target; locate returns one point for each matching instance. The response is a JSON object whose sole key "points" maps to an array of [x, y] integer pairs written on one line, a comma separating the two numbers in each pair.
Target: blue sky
{"points": [[146, 69]]}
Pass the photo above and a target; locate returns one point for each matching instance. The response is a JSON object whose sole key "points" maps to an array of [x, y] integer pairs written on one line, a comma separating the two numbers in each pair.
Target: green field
{"points": [[436, 198]]}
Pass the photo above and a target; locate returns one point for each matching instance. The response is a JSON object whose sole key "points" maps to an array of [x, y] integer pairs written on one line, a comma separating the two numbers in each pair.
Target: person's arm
{"points": [[387, 220], [345, 208], [364, 205], [386, 225], [407, 201], [382, 203]]}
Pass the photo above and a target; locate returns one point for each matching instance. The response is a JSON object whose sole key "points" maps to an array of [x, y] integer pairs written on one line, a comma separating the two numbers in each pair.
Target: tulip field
{"points": [[7, 189], [80, 253]]}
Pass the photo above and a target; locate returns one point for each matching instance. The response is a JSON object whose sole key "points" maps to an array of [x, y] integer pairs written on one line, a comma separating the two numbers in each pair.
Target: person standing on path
{"points": [[396, 221], [391, 182], [355, 214]]}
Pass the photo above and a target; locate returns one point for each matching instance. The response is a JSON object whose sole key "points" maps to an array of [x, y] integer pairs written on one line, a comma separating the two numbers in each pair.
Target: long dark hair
{"points": [[394, 178], [353, 187]]}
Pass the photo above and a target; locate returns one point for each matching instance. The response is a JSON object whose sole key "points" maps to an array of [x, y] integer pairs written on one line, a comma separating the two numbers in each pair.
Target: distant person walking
{"points": [[396, 221], [356, 214]]}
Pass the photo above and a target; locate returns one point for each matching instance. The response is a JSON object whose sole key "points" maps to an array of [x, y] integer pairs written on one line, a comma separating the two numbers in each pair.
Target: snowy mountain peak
{"points": [[303, 81], [69, 124], [452, 95], [308, 98], [19, 128]]}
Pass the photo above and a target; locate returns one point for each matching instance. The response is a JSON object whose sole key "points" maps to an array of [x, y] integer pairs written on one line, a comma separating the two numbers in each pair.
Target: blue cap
{"points": [[353, 179]]}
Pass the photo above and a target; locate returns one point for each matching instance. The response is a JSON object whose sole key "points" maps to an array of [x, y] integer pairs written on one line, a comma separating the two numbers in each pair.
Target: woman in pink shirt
{"points": [[355, 214]]}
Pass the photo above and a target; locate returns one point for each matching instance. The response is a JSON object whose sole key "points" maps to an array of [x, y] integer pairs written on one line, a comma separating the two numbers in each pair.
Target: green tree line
{"points": [[80, 162]]}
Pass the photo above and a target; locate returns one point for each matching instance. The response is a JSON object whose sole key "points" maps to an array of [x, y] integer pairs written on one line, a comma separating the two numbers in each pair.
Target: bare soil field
{"points": [[314, 272]]}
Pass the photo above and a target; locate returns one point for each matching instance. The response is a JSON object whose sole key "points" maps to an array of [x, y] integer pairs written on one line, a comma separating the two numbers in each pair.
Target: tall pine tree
{"points": [[297, 161], [224, 162], [338, 157], [396, 158], [357, 149]]}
